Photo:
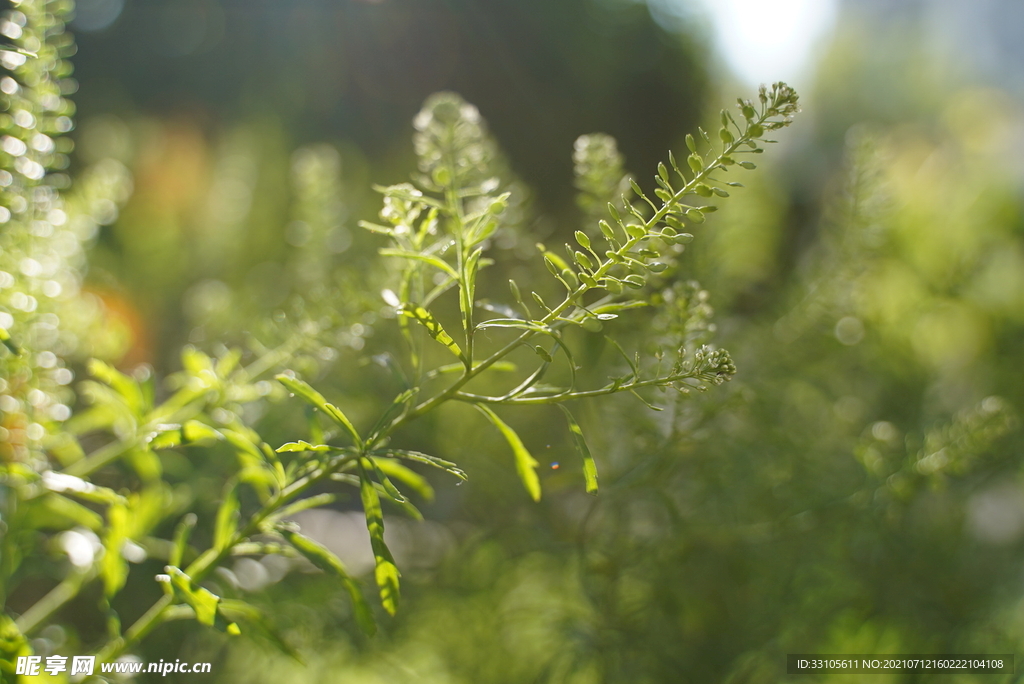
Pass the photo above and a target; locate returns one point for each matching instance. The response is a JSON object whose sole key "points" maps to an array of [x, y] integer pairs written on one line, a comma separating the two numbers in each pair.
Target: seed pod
{"points": [[592, 325], [720, 192], [695, 162], [570, 278], [669, 231], [514, 289], [726, 135], [703, 190], [748, 165], [674, 222], [695, 215], [727, 161], [582, 238], [683, 239], [583, 260], [657, 266], [636, 188], [543, 353], [551, 266], [606, 229], [636, 231], [588, 280], [663, 171], [612, 285], [748, 111], [634, 281], [755, 130], [613, 211], [690, 143]]}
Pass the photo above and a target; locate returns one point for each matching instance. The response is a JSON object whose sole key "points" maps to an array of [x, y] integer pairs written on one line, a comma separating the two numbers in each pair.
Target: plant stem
{"points": [[53, 601]]}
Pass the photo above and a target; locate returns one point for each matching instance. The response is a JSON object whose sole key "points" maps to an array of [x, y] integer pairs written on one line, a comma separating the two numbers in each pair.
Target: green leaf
{"points": [[417, 482], [386, 572], [113, 567], [228, 362], [434, 261], [434, 329], [125, 386], [398, 407], [194, 432], [73, 511], [302, 445], [589, 466], [444, 465], [526, 464], [227, 519], [322, 558], [7, 341], [307, 503], [386, 483], [203, 601], [240, 611], [313, 397], [168, 438], [181, 534]]}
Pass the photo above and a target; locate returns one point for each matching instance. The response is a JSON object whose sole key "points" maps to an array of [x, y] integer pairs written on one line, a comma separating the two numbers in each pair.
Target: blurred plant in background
{"points": [[118, 475]]}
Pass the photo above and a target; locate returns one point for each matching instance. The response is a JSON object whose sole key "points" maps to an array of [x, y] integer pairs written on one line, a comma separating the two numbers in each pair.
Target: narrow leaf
{"points": [[114, 568], [321, 557], [589, 467], [444, 465], [7, 341], [307, 503], [313, 397], [434, 261], [240, 611], [227, 519], [434, 329], [417, 482], [302, 445], [386, 483], [526, 464], [386, 573], [181, 534], [203, 601]]}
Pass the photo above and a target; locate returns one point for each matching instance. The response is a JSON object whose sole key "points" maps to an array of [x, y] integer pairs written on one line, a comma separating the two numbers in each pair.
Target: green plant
{"points": [[63, 518]]}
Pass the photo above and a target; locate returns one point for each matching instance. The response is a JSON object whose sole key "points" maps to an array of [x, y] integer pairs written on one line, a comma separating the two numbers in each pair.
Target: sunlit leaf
{"points": [[181, 535], [202, 601], [304, 446], [526, 464], [434, 261], [434, 328], [240, 611], [113, 567], [227, 519], [316, 399], [322, 558], [589, 466], [414, 480], [386, 573], [444, 465]]}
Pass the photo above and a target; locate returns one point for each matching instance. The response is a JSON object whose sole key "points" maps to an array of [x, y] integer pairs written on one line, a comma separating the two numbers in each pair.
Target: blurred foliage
{"points": [[856, 488]]}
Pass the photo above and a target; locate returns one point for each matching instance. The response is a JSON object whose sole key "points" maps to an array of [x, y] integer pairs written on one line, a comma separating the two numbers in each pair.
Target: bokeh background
{"points": [[858, 488]]}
